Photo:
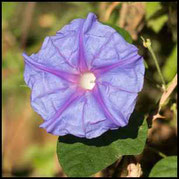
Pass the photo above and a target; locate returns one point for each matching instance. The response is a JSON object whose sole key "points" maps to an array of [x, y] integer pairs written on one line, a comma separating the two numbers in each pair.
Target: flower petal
{"points": [[119, 89], [51, 124], [128, 78], [62, 74], [52, 57], [106, 48], [82, 118], [48, 91], [120, 104]]}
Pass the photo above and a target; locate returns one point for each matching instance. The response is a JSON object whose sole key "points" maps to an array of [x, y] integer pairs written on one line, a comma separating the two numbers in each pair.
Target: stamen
{"points": [[87, 81]]}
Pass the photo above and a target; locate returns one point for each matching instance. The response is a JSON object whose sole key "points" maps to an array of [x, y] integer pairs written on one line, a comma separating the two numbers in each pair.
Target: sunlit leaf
{"points": [[155, 23], [174, 109], [152, 8], [158, 23], [170, 67]]}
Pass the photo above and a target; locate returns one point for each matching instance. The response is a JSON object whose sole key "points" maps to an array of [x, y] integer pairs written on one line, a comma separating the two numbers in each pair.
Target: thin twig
{"points": [[139, 10], [109, 10], [123, 13], [164, 97], [168, 91], [102, 9], [158, 152], [157, 65], [147, 44], [118, 167], [26, 22]]}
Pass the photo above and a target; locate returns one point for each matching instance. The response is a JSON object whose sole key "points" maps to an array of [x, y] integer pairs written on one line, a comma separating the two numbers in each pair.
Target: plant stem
{"points": [[158, 152], [147, 44], [162, 154], [157, 65]]}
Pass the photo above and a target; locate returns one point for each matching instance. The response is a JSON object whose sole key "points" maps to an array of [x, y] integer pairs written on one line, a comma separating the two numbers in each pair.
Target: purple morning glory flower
{"points": [[85, 79]]}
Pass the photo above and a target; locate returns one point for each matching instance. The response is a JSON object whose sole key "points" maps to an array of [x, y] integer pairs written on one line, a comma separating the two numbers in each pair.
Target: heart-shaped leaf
{"points": [[84, 157], [166, 167]]}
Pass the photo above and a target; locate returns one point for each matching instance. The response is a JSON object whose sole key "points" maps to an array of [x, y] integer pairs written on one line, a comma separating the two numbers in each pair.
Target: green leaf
{"points": [[80, 157], [158, 23], [155, 23], [121, 31], [152, 8], [170, 67], [166, 167]]}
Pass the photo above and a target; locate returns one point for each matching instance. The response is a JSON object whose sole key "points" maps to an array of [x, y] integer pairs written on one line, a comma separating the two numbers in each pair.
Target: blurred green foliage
{"points": [[13, 63], [157, 24], [152, 8], [41, 158], [154, 19], [170, 67], [8, 10]]}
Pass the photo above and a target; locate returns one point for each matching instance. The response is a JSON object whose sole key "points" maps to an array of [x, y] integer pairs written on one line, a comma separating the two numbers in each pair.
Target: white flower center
{"points": [[87, 81]]}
